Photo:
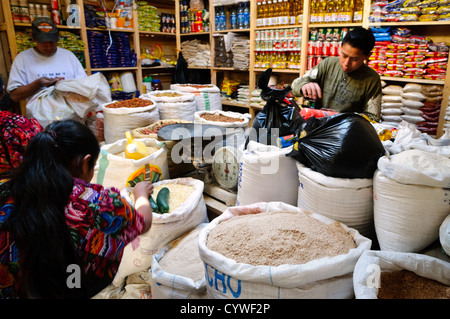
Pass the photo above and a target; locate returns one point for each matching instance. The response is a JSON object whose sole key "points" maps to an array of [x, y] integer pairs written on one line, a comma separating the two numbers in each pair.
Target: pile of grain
{"points": [[178, 194], [406, 284], [183, 259], [277, 238]]}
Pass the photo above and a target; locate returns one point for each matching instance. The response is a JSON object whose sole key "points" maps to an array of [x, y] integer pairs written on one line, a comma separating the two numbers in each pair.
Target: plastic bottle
{"points": [[337, 12], [223, 20], [259, 13], [269, 13], [276, 12], [358, 11], [240, 16], [233, 18], [217, 18], [265, 11], [246, 15], [135, 149]]}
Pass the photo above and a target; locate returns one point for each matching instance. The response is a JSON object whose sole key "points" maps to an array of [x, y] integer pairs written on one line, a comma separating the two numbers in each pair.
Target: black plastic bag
{"points": [[278, 117], [344, 145], [181, 69]]}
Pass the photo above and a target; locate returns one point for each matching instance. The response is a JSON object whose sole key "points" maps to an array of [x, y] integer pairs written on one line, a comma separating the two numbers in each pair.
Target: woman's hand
{"points": [[141, 193]]}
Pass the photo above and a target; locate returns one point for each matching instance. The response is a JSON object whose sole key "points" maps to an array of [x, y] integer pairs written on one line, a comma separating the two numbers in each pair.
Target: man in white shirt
{"points": [[43, 65]]}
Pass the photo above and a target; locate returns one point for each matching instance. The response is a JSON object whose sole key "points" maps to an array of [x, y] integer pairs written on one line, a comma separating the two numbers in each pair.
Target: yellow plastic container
{"points": [[135, 149]]}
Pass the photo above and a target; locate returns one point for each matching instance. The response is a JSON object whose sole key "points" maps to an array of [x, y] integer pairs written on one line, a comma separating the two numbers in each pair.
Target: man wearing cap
{"points": [[43, 65]]}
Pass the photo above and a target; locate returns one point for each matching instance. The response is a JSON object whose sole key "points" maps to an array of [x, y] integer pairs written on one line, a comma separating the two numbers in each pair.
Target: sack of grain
{"points": [[238, 121], [372, 264], [222, 118], [122, 116], [410, 202], [188, 210], [207, 96], [177, 272], [321, 277], [113, 169], [174, 104], [347, 200], [444, 235], [267, 174]]}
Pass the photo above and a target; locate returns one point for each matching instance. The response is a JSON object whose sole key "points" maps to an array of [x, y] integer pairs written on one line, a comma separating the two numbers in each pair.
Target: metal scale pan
{"points": [[196, 141]]}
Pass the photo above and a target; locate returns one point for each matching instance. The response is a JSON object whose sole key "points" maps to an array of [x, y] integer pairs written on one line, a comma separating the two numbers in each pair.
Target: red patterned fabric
{"points": [[101, 224], [16, 131]]}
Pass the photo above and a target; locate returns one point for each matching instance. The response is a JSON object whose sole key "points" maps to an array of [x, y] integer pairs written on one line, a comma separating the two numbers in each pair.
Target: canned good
{"points": [[258, 35], [334, 49], [284, 45], [310, 62], [319, 47], [56, 17], [326, 51], [313, 35]]}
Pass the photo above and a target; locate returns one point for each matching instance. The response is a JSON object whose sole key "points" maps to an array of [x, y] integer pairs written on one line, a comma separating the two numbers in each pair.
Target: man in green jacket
{"points": [[345, 83]]}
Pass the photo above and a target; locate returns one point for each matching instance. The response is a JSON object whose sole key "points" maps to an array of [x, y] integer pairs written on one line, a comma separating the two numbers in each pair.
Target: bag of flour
{"points": [[177, 271], [329, 277]]}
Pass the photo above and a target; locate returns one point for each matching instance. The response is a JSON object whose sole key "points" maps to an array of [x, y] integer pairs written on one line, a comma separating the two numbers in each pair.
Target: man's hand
{"points": [[312, 91], [45, 81]]}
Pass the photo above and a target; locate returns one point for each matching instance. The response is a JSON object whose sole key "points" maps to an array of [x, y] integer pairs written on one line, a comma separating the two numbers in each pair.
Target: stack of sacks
{"points": [[196, 53], [417, 104], [257, 102], [391, 104], [243, 95], [431, 109], [412, 100]]}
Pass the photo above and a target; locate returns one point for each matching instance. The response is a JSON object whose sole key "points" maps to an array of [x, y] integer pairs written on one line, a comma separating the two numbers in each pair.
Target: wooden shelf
{"points": [[420, 81]]}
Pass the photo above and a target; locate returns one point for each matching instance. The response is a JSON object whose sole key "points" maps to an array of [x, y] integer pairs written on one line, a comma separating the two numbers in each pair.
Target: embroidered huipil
{"points": [[101, 224]]}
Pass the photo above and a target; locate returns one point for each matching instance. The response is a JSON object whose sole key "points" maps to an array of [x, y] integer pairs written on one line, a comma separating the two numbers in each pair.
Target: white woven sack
{"points": [[267, 174], [207, 97], [322, 278], [116, 170], [407, 217], [366, 276], [182, 96], [244, 117], [444, 235], [347, 200], [177, 110], [417, 167], [137, 255], [166, 285], [119, 120]]}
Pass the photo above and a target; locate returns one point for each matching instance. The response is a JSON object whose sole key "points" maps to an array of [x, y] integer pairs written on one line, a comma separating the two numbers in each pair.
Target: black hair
{"points": [[360, 38], [41, 187]]}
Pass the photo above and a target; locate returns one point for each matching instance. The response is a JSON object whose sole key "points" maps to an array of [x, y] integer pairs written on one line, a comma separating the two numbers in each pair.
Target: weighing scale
{"points": [[218, 164]]}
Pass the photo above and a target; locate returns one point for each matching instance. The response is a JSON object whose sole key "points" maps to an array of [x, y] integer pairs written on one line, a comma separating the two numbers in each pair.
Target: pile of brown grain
{"points": [[277, 238], [406, 284]]}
